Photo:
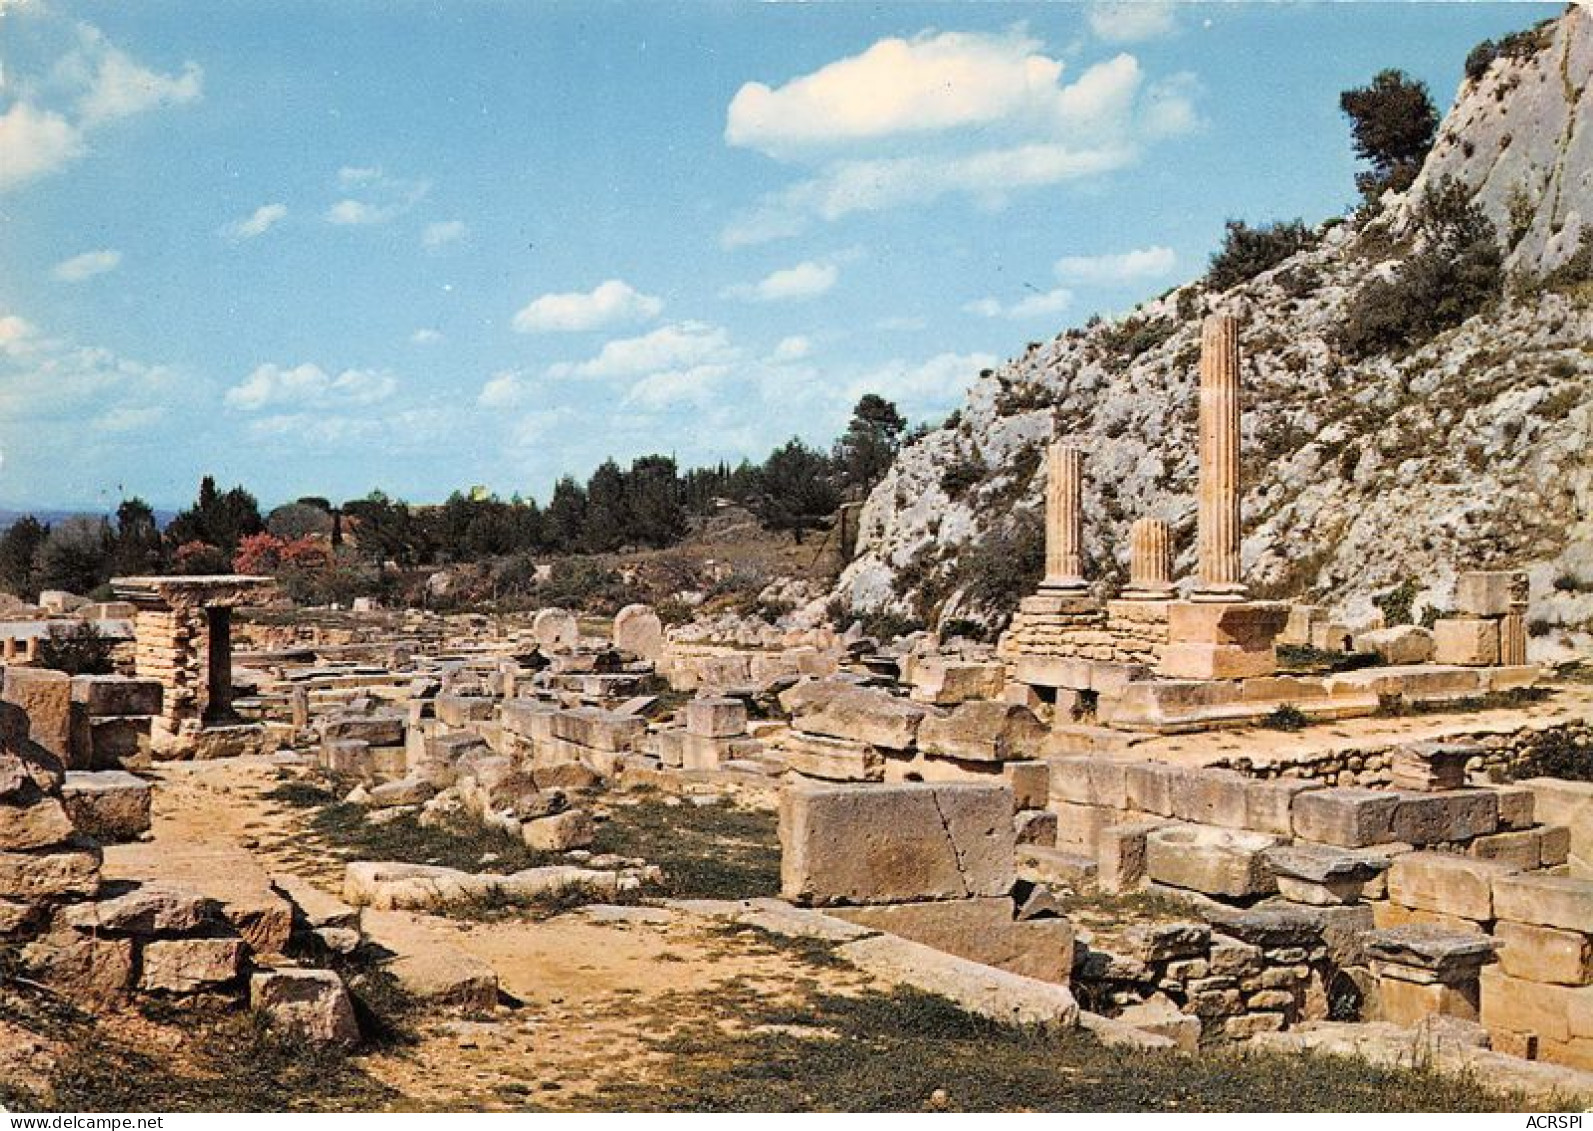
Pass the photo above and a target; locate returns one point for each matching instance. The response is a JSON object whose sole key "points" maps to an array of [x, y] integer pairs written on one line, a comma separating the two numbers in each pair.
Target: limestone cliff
{"points": [[1361, 472]]}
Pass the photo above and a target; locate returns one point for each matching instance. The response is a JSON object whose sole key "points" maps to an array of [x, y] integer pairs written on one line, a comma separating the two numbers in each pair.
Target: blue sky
{"points": [[319, 248]]}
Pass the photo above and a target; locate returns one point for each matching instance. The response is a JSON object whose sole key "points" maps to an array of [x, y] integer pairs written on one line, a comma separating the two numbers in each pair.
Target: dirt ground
{"points": [[628, 1008]]}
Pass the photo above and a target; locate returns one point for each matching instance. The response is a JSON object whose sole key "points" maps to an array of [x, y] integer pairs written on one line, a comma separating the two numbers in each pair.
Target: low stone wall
{"points": [[1501, 757]]}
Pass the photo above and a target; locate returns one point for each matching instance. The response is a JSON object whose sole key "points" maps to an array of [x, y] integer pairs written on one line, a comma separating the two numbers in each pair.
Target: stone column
{"points": [[1064, 520], [1150, 561], [1219, 578]]}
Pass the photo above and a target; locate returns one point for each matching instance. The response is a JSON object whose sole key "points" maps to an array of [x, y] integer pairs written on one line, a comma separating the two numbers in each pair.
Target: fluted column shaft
{"points": [[1219, 533], [1150, 559], [1064, 519]]}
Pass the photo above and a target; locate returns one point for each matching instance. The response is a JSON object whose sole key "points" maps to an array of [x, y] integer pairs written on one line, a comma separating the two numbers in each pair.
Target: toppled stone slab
{"points": [[389, 886], [314, 906], [873, 717], [310, 1005], [230, 876], [982, 930], [147, 910], [1224, 862], [1440, 955], [427, 965], [185, 966], [1322, 875], [983, 732], [108, 805], [1008, 999], [889, 844]]}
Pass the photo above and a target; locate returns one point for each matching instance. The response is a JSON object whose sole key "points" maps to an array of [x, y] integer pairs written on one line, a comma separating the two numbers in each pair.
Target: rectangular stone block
{"points": [[1349, 817], [1547, 901], [1521, 849], [892, 844], [1149, 787], [1030, 782], [46, 696], [1490, 593], [1215, 661], [1516, 806], [874, 717], [980, 930], [1210, 797], [1078, 827], [598, 729], [1269, 805], [1086, 780], [1120, 855], [832, 759], [1466, 641], [1220, 862], [1544, 954], [716, 718], [1249, 625], [1554, 1013], [1569, 804], [1451, 885], [1409, 1003], [111, 695], [1432, 818]]}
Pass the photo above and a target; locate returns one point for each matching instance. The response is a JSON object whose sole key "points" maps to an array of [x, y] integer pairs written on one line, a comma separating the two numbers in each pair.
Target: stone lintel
{"points": [[207, 591]]}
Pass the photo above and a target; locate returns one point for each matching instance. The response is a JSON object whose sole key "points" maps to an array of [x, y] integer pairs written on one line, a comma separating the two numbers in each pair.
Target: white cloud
{"points": [[87, 265], [128, 418], [680, 345], [90, 86], [1037, 305], [503, 390], [792, 348], [1123, 267], [51, 389], [309, 385], [352, 176], [443, 232], [908, 122], [257, 223], [117, 87], [381, 198], [605, 305], [697, 385], [1131, 21], [806, 280], [922, 388], [35, 142], [927, 84], [358, 212], [425, 337]]}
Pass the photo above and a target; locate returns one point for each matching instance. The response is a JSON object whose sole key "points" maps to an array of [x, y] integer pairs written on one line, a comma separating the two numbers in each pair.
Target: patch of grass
{"points": [[1302, 659], [340, 828], [1556, 754], [1396, 706], [228, 1061], [893, 1051], [1286, 716], [708, 852]]}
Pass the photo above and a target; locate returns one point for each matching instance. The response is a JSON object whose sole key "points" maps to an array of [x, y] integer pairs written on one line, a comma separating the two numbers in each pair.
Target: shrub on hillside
{"points": [[1246, 252], [1458, 270]]}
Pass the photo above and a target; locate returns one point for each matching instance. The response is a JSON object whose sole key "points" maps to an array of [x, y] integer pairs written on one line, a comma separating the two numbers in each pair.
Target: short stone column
{"points": [[1150, 561], [1064, 521], [1219, 533]]}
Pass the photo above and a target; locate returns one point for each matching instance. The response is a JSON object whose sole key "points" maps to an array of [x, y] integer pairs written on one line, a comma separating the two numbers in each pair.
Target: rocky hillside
{"points": [[1366, 469]]}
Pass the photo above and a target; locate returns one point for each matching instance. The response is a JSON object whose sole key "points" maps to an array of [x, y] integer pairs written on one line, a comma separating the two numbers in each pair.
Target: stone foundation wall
{"points": [[1502, 755], [1126, 632]]}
